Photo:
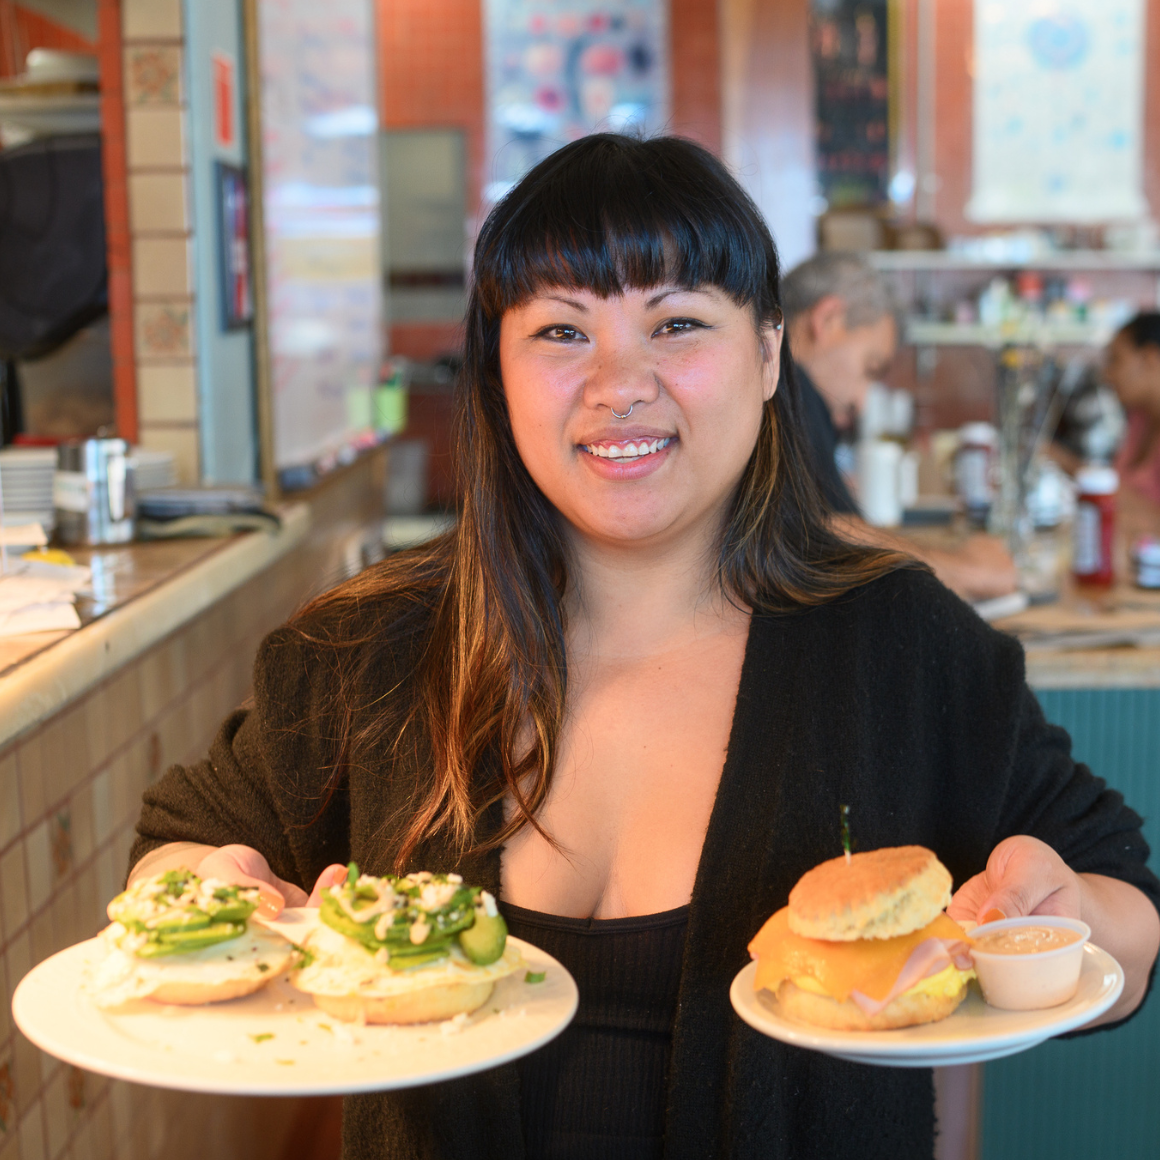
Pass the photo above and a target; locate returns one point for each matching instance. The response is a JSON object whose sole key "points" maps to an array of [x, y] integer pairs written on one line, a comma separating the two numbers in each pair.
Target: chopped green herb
{"points": [[535, 976], [261, 1038], [263, 967]]}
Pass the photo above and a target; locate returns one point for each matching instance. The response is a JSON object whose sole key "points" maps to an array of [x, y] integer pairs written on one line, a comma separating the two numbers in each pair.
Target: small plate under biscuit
{"points": [[975, 1033]]}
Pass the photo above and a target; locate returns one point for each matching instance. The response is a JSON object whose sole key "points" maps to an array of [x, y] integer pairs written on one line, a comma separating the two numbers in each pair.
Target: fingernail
{"points": [[994, 915]]}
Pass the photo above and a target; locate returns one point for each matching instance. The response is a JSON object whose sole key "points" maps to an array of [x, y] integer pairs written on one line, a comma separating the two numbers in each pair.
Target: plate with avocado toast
{"points": [[391, 983]]}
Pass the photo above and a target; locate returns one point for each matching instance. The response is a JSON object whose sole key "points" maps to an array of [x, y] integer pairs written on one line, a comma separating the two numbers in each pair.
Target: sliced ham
{"points": [[931, 956]]}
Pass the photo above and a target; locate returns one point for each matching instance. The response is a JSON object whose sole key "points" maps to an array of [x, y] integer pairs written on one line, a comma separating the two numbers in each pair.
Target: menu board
{"points": [[321, 202], [559, 69], [1058, 111], [850, 57]]}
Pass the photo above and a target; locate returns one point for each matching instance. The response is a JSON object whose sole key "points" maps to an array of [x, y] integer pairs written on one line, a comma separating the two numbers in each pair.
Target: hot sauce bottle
{"points": [[1095, 521]]}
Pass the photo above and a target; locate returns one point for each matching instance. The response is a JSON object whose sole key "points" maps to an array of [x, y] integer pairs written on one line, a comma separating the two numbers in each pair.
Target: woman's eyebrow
{"points": [[657, 299], [566, 301]]}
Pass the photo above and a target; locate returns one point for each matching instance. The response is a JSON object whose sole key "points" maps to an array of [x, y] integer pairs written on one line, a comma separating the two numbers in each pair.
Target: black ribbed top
{"points": [[597, 1091]]}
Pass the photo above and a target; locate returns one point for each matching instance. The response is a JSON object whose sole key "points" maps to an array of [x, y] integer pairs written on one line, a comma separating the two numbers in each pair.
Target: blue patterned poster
{"points": [[559, 69], [1058, 111]]}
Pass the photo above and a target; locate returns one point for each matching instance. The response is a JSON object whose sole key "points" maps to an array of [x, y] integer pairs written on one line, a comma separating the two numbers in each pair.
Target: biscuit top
{"points": [[879, 894]]}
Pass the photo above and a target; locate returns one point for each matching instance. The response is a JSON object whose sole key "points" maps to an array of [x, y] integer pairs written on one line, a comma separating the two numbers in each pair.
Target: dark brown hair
{"points": [[605, 213]]}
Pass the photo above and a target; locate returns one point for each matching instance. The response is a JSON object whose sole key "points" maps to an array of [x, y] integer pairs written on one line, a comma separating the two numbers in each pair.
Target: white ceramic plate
{"points": [[276, 1042], [973, 1034]]}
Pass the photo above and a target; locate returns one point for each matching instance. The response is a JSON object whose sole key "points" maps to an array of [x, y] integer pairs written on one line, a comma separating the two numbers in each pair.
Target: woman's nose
{"points": [[621, 378]]}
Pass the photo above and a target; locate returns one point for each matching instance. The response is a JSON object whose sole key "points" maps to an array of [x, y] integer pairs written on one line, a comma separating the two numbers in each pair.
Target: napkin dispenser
{"points": [[93, 492]]}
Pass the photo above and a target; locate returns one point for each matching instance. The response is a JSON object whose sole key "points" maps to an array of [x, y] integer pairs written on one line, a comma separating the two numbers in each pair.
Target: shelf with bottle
{"points": [[905, 261], [1035, 332]]}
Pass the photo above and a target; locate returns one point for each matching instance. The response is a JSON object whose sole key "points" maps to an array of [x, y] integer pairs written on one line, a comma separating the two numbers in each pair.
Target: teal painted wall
{"points": [[1096, 1098], [227, 404]]}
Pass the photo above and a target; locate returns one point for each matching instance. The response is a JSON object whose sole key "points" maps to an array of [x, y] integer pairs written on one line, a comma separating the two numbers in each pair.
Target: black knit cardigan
{"points": [[895, 699]]}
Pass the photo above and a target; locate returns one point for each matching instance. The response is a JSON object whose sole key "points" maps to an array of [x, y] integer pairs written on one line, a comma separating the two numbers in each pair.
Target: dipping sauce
{"points": [[1024, 964], [1026, 940]]}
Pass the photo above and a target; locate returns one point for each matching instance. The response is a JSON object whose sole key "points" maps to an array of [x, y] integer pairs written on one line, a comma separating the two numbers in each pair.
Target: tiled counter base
{"points": [[70, 792]]}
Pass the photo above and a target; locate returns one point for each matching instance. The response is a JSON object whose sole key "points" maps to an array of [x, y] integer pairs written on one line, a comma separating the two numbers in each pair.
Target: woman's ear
{"points": [[770, 337]]}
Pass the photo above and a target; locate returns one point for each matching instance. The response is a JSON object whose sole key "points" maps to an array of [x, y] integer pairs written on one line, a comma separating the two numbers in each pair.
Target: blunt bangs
{"points": [[609, 213]]}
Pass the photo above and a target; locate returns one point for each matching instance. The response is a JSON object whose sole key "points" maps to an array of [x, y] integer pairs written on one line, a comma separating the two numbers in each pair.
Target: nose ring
{"points": [[626, 414]]}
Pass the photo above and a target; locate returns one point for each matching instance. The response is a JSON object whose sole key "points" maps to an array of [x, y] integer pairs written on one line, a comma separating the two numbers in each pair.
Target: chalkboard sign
{"points": [[850, 57]]}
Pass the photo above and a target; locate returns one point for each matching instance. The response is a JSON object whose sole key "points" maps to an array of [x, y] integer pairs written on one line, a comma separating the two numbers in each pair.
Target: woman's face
{"points": [[1133, 372], [688, 363]]}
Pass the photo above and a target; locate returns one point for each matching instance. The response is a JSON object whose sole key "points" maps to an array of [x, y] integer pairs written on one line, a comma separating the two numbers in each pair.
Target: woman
{"points": [[1132, 369], [631, 691]]}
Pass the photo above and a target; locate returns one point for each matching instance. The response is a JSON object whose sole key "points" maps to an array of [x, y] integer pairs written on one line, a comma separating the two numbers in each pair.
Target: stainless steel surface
{"points": [[94, 493]]}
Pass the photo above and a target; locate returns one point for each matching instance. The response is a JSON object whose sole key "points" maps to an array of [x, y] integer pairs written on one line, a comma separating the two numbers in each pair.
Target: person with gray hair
{"points": [[843, 331]]}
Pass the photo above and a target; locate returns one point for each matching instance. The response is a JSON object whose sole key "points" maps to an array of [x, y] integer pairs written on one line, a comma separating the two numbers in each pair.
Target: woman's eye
{"points": [[680, 326], [560, 333]]}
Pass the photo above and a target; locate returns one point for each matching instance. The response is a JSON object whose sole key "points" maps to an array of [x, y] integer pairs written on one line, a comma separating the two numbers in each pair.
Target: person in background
{"points": [[840, 319], [1132, 370]]}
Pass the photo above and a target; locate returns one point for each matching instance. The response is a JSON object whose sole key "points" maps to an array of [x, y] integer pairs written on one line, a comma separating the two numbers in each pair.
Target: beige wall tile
{"points": [[162, 330], [17, 964], [109, 876], [102, 1125], [30, 759], [155, 138], [43, 939], [32, 1145], [91, 916], [81, 813], [66, 739], [10, 814], [14, 888], [182, 443], [96, 710], [151, 19], [102, 807], [38, 862], [158, 201], [167, 394], [153, 75], [161, 266], [25, 1070], [60, 843], [59, 1118], [65, 917], [123, 694], [10, 1144], [5, 1023], [156, 688]]}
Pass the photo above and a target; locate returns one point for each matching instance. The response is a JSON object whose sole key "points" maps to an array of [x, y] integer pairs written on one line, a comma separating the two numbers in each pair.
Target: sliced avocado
{"points": [[181, 921], [484, 940], [192, 940]]}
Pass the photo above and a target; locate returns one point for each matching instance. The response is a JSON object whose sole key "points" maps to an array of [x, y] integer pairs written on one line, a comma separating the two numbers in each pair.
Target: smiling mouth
{"points": [[629, 451]]}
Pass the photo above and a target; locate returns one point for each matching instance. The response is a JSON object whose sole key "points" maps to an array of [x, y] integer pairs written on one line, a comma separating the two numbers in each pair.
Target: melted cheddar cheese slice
{"points": [[867, 965]]}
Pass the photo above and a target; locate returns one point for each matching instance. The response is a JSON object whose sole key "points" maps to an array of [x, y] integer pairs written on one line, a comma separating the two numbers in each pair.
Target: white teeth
{"points": [[629, 450]]}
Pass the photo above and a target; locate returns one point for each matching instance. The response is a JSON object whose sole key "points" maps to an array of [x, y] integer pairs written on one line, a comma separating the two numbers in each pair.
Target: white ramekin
{"points": [[1028, 982]]}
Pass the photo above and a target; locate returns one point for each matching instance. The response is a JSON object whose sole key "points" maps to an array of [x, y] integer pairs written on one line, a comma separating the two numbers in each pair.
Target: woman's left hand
{"points": [[1026, 876], [1023, 876]]}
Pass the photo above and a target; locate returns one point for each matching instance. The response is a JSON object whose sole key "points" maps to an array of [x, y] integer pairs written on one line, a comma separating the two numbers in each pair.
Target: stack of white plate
{"points": [[153, 469], [26, 485]]}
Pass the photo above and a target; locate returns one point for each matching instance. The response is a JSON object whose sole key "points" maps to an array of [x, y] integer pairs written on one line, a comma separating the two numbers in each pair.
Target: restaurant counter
{"points": [[88, 719], [1074, 1099]]}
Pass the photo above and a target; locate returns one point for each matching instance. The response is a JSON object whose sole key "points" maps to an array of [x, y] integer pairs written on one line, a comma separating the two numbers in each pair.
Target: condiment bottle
{"points": [[974, 470], [1146, 556], [1095, 519]]}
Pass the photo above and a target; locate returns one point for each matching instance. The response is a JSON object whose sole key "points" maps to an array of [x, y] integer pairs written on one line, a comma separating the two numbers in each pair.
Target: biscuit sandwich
{"points": [[177, 938], [412, 949], [864, 944]]}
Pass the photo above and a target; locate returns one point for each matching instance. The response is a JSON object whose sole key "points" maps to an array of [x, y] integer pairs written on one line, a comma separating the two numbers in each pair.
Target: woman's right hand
{"points": [[244, 866]]}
